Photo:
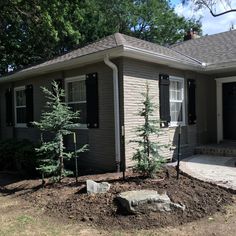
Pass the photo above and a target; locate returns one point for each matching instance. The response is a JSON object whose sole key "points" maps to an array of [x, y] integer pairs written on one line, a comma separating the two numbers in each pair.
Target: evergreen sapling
{"points": [[147, 156], [58, 121]]}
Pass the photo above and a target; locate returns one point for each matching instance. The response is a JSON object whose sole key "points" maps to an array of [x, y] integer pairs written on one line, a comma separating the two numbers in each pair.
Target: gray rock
{"points": [[94, 187], [146, 201]]}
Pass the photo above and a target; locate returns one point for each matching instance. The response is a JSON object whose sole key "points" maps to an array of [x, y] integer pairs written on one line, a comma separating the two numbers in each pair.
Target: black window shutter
{"points": [[191, 102], [29, 95], [92, 100], [9, 107], [164, 84]]}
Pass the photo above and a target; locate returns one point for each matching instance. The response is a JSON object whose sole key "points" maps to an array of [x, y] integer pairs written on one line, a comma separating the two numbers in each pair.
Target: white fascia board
{"points": [[221, 67], [63, 65], [153, 57]]}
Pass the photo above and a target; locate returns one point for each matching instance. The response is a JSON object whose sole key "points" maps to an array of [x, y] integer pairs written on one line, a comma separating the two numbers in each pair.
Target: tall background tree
{"points": [[36, 30]]}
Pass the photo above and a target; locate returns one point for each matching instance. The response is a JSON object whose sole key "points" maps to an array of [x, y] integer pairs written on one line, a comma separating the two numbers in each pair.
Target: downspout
{"points": [[116, 109]]}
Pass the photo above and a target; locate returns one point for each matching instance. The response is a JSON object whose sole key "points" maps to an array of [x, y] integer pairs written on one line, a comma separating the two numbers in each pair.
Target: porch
{"points": [[215, 163], [225, 149]]}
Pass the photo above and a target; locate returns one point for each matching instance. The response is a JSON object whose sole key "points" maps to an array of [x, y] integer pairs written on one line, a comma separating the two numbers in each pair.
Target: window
{"points": [[76, 96], [177, 109], [20, 107]]}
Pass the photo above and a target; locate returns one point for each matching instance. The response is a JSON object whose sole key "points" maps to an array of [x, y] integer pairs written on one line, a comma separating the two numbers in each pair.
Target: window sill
{"points": [[82, 126], [174, 147], [23, 125], [175, 125]]}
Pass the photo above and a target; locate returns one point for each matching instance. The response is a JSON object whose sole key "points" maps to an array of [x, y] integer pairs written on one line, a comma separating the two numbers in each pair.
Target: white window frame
{"points": [[74, 79], [18, 125], [182, 81]]}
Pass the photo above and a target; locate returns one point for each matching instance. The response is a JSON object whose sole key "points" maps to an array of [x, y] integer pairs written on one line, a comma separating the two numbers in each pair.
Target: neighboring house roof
{"points": [[192, 54], [212, 49]]}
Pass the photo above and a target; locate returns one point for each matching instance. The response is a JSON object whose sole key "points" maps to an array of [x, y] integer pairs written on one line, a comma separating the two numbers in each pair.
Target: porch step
{"points": [[226, 150]]}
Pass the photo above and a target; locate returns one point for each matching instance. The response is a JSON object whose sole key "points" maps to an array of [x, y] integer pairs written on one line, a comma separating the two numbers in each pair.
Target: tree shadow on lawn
{"points": [[7, 182]]}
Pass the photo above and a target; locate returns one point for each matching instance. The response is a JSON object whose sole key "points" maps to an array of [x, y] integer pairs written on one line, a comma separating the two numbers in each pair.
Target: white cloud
{"points": [[210, 24]]}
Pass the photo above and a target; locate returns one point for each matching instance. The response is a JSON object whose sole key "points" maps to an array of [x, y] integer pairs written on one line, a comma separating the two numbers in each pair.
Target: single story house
{"points": [[193, 84]]}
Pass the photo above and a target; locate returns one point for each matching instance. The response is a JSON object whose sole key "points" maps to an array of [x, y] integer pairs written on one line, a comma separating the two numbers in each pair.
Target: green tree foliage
{"points": [[32, 31], [157, 22], [147, 156], [58, 121]]}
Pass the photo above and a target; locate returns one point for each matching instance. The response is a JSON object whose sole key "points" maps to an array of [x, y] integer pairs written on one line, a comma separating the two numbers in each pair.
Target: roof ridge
{"points": [[119, 38], [143, 40]]}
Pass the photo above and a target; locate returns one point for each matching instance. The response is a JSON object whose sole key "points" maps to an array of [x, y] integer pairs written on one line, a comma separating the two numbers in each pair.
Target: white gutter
{"points": [[221, 66], [59, 65], [116, 109], [143, 54]]}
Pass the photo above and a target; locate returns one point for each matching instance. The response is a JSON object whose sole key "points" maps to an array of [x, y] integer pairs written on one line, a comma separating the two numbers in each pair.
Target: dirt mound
{"points": [[70, 201]]}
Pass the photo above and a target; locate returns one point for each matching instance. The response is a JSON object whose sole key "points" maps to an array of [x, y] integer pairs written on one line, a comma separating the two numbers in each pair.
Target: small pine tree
{"points": [[147, 155], [58, 120]]}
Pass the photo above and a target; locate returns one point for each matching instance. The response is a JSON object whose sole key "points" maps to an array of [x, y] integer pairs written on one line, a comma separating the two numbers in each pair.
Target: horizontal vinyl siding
{"points": [[133, 87], [101, 154], [136, 74], [101, 141]]}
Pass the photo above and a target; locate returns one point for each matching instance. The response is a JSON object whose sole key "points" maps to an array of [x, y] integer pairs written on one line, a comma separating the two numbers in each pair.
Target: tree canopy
{"points": [[35, 30]]}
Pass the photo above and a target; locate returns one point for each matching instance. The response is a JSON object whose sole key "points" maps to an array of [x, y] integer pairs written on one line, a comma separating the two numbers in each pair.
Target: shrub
{"points": [[19, 156]]}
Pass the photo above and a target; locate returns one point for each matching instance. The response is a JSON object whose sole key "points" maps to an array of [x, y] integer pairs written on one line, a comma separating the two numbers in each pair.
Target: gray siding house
{"points": [[193, 84]]}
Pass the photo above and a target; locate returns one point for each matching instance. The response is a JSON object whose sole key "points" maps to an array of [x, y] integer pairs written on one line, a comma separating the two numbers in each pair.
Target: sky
{"points": [[210, 24]]}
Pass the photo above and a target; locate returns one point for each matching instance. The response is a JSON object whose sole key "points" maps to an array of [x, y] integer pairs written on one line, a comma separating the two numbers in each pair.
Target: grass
{"points": [[18, 220]]}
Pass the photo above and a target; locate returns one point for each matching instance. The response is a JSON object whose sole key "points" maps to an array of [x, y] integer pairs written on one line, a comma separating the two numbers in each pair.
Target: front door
{"points": [[229, 111]]}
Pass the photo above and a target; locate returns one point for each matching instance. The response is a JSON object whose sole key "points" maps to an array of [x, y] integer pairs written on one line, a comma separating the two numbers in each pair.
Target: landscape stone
{"points": [[94, 187], [146, 201]]}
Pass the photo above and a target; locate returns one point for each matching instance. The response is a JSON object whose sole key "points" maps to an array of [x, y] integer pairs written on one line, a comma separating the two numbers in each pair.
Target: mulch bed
{"points": [[70, 201]]}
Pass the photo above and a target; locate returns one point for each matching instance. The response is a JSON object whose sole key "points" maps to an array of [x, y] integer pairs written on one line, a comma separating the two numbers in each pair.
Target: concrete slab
{"points": [[219, 170]]}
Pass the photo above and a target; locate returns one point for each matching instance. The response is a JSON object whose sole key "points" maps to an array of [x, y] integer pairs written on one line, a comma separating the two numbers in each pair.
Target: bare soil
{"points": [[70, 202]]}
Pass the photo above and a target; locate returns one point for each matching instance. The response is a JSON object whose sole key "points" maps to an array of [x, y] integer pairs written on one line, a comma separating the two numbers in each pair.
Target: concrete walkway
{"points": [[215, 169]]}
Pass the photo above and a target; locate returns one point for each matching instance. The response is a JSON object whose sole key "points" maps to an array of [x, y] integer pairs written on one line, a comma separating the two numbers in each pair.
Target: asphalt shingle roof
{"points": [[210, 49], [153, 47], [103, 44], [110, 42]]}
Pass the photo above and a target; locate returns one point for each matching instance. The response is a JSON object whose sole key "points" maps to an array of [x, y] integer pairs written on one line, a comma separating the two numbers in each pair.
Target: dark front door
{"points": [[229, 111]]}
